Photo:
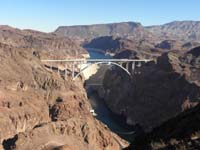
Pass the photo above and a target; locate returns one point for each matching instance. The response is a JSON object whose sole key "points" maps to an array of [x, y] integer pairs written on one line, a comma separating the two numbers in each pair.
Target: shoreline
{"points": [[95, 50]]}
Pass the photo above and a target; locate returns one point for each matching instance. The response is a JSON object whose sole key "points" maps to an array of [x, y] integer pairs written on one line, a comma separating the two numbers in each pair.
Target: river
{"points": [[98, 104]]}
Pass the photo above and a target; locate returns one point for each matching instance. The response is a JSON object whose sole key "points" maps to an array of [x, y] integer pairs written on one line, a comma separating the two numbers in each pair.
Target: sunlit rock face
{"points": [[40, 110], [42, 45], [124, 29], [185, 31], [177, 30]]}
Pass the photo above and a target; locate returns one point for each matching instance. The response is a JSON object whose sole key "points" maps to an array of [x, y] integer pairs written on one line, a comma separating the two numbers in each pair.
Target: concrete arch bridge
{"points": [[75, 67]]}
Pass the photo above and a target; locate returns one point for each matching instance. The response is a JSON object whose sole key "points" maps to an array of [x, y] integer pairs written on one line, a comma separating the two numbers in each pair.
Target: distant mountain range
{"points": [[124, 29], [177, 30]]}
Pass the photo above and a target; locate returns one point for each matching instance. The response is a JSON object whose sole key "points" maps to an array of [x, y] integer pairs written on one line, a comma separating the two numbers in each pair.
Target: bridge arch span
{"points": [[100, 63]]}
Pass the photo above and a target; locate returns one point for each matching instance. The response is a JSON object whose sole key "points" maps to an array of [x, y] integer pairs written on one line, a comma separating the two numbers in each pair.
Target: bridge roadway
{"points": [[99, 60]]}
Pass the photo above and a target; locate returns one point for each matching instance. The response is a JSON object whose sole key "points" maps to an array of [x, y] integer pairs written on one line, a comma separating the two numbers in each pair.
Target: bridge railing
{"points": [[97, 60]]}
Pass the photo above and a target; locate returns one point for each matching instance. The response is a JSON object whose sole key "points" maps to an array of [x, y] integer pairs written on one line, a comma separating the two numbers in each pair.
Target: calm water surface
{"points": [[102, 111]]}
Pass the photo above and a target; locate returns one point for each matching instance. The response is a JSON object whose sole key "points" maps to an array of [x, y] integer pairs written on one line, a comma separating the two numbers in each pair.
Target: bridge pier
{"points": [[139, 64], [58, 71], [73, 70], [127, 66], [133, 67], [66, 71]]}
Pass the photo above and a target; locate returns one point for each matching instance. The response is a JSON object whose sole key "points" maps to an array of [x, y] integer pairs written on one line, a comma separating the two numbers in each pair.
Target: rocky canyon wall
{"points": [[39, 109], [157, 91]]}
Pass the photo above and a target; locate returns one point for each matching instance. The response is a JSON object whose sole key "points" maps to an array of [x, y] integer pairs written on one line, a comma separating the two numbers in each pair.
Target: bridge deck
{"points": [[98, 60]]}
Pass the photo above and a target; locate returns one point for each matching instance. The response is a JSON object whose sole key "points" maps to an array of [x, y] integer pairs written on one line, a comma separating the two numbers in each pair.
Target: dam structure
{"points": [[75, 67]]}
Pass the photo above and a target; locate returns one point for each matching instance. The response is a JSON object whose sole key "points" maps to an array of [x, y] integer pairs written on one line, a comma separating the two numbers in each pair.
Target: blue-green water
{"points": [[97, 55]]}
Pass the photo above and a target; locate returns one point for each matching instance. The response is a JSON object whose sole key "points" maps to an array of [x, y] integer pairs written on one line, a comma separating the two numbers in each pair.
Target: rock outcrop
{"points": [[169, 45], [155, 92], [105, 43]]}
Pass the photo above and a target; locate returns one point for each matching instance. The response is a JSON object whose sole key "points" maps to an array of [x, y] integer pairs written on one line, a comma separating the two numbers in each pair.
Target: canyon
{"points": [[157, 91], [159, 101]]}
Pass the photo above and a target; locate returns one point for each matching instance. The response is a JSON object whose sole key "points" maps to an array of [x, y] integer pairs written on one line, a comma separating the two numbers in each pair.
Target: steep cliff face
{"points": [[156, 91], [42, 111], [105, 43]]}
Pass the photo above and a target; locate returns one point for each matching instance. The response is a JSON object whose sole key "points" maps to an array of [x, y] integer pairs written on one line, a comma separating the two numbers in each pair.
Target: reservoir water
{"points": [[103, 112], [97, 54]]}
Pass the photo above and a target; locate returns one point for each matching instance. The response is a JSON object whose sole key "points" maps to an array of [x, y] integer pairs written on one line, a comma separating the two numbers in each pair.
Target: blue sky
{"points": [[47, 15]]}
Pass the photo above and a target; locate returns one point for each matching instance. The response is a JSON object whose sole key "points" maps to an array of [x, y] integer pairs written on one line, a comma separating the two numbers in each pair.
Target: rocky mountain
{"points": [[185, 31], [178, 30], [169, 45], [125, 29], [44, 45], [116, 44], [143, 48], [40, 109], [157, 91], [105, 43], [130, 37]]}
